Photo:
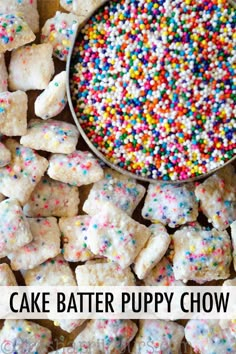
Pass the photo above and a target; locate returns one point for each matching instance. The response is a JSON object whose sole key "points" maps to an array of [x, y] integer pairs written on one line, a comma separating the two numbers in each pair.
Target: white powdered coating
{"points": [[45, 244], [153, 251], [113, 234], [79, 168], [117, 189], [52, 135], [53, 99], [13, 113], [31, 67]]}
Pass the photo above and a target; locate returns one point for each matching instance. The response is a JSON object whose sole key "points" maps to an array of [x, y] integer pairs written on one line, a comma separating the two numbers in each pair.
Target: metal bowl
{"points": [[103, 157]]}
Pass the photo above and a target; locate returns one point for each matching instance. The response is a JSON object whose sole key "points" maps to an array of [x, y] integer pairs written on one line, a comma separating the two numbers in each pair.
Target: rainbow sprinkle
{"points": [[154, 85]]}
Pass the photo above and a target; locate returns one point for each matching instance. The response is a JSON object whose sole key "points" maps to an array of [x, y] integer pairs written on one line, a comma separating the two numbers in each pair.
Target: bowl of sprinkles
{"points": [[153, 86]]}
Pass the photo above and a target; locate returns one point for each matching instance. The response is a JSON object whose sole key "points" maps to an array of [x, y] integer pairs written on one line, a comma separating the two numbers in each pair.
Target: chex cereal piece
{"points": [[19, 178], [201, 255], [229, 324], [170, 205], [217, 195], [233, 237], [20, 336], [113, 234], [31, 67], [164, 336], [104, 274], [5, 155], [54, 272], [81, 8], [52, 136], [45, 244], [3, 74], [52, 198], [60, 32], [162, 275], [7, 277], [27, 9], [14, 228], [75, 235], [124, 192], [153, 251], [53, 99], [13, 113], [67, 350], [105, 336], [207, 337], [67, 5], [14, 32], [79, 168]]}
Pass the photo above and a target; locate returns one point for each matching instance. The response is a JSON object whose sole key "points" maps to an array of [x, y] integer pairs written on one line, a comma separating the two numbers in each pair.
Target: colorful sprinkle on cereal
{"points": [[60, 32], [153, 85], [14, 32]]}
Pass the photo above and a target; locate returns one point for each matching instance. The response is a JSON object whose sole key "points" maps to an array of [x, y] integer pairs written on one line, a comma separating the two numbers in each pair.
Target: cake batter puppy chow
{"points": [[53, 99], [13, 113], [75, 238], [217, 195], [31, 67], [52, 198], [5, 155], [113, 234], [170, 204], [78, 168], [60, 32], [19, 178], [52, 136], [14, 227], [153, 251], [45, 244], [117, 189], [3, 74]]}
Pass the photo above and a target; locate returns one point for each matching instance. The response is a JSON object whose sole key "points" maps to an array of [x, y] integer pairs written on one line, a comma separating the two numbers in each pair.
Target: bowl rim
{"points": [[99, 154]]}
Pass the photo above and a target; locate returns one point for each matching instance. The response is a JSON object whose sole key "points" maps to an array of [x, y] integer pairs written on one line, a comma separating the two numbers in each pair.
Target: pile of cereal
{"points": [[153, 85], [67, 220]]}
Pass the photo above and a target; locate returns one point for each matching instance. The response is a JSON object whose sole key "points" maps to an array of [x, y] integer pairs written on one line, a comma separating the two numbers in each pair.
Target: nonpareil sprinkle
{"points": [[154, 87]]}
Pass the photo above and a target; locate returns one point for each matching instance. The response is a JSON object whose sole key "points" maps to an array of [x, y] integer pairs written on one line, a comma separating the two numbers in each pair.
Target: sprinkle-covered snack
{"points": [[14, 32], [105, 336], [27, 9], [13, 113], [53, 136], [67, 5], [75, 238], [19, 178], [5, 155], [104, 274], [170, 204], [54, 272], [31, 67], [60, 32], [14, 228], [113, 234], [233, 237], [81, 8], [3, 73], [45, 244], [52, 198], [207, 337], [7, 277], [201, 255], [53, 99], [20, 336], [124, 192], [79, 168], [158, 335], [153, 251], [162, 275], [217, 196]]}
